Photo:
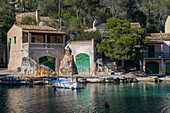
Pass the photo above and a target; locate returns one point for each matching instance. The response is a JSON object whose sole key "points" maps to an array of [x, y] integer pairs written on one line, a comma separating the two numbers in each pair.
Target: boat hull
{"points": [[70, 85]]}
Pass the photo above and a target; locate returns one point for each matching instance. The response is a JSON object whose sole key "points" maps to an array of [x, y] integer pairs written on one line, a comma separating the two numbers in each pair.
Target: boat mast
{"points": [[72, 74], [57, 65]]}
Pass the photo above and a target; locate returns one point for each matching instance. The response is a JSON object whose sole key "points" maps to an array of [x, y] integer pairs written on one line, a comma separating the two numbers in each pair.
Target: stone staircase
{"points": [[111, 65]]}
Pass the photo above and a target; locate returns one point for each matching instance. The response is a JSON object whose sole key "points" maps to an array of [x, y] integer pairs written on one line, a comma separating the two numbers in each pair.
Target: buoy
{"points": [[106, 104], [54, 88], [72, 88]]}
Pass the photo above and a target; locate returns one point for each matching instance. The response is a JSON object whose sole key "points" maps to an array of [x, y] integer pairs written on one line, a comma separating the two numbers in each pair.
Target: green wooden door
{"points": [[48, 61], [152, 68], [151, 51], [82, 63], [167, 72]]}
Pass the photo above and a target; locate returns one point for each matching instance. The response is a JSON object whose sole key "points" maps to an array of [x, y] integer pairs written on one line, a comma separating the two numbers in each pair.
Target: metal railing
{"points": [[156, 55], [41, 45]]}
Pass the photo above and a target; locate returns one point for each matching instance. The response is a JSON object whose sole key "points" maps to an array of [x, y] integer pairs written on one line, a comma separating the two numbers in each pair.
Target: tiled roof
{"points": [[39, 29], [34, 27], [101, 25], [135, 25], [157, 37]]}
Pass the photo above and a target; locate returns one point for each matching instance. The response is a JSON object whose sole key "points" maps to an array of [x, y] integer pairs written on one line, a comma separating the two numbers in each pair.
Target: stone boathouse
{"points": [[40, 43], [157, 56]]}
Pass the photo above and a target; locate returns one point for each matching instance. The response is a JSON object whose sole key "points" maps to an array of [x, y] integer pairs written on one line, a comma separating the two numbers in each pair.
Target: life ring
{"points": [[48, 46]]}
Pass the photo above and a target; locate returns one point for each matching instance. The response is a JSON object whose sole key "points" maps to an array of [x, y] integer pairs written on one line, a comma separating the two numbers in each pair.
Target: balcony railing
{"points": [[156, 55], [42, 45]]}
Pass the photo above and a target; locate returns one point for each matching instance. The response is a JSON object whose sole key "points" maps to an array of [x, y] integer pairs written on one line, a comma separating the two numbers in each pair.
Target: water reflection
{"points": [[127, 98], [142, 97]]}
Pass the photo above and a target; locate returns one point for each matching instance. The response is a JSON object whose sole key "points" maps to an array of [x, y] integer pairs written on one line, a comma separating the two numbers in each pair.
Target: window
{"points": [[15, 40], [48, 39], [25, 38], [54, 38], [38, 38], [9, 41], [33, 39]]}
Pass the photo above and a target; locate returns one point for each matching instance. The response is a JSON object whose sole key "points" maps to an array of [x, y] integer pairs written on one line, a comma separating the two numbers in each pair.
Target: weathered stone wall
{"points": [[31, 67], [32, 15], [20, 16], [167, 25], [86, 47], [46, 19], [14, 51], [52, 52]]}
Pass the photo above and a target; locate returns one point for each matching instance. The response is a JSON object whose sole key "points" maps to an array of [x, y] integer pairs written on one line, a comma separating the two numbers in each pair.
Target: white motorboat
{"points": [[65, 83]]}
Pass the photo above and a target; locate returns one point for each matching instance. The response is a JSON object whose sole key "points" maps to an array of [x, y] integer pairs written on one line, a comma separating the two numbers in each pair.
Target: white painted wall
{"points": [[166, 46]]}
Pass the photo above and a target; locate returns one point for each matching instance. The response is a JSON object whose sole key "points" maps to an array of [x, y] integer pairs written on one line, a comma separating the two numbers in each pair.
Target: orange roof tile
{"points": [[34, 28], [135, 25]]}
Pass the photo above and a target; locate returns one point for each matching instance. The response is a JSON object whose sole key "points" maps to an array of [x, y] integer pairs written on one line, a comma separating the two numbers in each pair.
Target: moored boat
{"points": [[65, 83]]}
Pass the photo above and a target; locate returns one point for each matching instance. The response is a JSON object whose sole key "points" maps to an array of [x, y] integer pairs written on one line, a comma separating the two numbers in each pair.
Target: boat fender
{"points": [[76, 79], [54, 88], [72, 88]]}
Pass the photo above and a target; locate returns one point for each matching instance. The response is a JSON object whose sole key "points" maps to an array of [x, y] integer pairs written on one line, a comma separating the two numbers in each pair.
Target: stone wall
{"points": [[38, 53], [20, 16], [86, 47], [31, 67], [14, 51], [167, 25], [162, 64]]}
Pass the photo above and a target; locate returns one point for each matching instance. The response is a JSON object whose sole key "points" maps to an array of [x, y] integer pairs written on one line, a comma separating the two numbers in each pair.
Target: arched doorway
{"points": [[152, 67], [167, 72], [82, 63], [48, 61]]}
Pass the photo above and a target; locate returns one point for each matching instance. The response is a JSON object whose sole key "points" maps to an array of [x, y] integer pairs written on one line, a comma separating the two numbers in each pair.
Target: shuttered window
{"points": [[9, 41], [15, 40]]}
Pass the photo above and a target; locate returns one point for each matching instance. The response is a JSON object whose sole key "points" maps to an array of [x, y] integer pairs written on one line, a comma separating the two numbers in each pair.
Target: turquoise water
{"points": [[123, 98]]}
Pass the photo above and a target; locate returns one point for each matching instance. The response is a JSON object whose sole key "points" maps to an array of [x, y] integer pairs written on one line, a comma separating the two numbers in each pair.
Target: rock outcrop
{"points": [[30, 67], [66, 66]]}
